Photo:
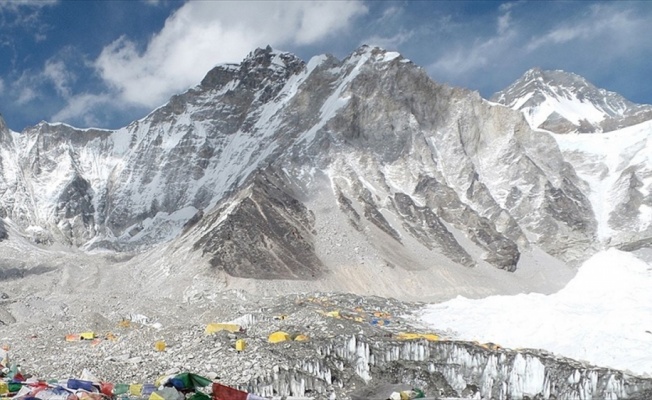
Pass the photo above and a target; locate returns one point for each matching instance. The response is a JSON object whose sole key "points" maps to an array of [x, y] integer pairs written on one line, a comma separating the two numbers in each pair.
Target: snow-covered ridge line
{"points": [[564, 102]]}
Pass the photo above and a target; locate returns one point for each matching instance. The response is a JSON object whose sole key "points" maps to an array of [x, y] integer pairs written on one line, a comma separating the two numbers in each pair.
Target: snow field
{"points": [[603, 316]]}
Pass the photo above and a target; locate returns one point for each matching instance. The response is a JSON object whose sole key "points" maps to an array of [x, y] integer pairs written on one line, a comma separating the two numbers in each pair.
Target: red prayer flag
{"points": [[221, 392]]}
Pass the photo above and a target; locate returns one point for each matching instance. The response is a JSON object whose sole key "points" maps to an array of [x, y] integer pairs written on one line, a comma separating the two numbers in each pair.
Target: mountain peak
{"points": [[532, 73], [255, 68], [564, 102], [269, 58], [377, 52]]}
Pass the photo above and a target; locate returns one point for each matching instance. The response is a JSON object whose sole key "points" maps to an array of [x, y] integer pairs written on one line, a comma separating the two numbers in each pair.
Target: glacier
{"points": [[602, 316]]}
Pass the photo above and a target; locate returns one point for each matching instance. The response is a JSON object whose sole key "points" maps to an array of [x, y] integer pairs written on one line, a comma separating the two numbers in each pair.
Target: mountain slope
{"points": [[563, 102], [616, 164], [618, 167], [249, 168]]}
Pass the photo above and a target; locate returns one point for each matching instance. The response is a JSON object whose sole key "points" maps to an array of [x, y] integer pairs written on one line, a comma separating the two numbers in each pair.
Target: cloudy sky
{"points": [[105, 63]]}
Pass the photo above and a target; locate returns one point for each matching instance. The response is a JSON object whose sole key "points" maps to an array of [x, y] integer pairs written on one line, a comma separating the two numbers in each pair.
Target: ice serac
{"points": [[447, 370], [563, 102], [415, 167]]}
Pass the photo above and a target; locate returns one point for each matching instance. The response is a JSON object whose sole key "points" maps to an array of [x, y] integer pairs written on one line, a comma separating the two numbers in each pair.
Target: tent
{"points": [[431, 337], [278, 336], [216, 327]]}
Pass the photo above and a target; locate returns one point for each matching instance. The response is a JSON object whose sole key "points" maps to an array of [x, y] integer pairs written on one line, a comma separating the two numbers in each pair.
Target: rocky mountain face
{"points": [[563, 102], [243, 156], [616, 164]]}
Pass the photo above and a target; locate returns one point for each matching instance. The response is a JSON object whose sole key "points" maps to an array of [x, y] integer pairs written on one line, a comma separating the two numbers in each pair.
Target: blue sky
{"points": [[105, 63]]}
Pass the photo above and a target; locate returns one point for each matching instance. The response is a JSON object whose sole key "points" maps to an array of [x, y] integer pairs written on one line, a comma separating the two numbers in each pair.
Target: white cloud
{"points": [[620, 26], [25, 15], [59, 76], [480, 53], [200, 35], [25, 95], [390, 43], [33, 84], [2, 86], [590, 41], [16, 4], [80, 109], [504, 23], [391, 13]]}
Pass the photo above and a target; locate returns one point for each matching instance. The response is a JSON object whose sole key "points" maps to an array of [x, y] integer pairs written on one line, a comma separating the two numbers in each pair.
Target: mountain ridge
{"points": [[306, 197], [563, 102], [265, 166]]}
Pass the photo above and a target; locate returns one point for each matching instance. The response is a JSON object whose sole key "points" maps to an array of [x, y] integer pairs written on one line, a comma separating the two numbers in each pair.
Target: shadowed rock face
{"points": [[426, 226], [480, 230], [3, 230], [267, 235]]}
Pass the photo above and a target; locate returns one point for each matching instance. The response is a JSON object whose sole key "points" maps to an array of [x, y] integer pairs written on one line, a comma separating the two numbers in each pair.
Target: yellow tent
{"points": [[87, 335], [431, 337], [240, 344], [216, 327], [159, 345], [278, 336]]}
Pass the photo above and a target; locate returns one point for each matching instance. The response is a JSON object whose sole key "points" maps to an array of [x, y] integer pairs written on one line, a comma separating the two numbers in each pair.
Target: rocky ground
{"points": [[124, 349], [353, 345]]}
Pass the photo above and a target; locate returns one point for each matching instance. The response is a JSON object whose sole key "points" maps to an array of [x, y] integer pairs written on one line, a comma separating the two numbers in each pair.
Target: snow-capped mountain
{"points": [[359, 175], [285, 170], [618, 168], [616, 164], [563, 102]]}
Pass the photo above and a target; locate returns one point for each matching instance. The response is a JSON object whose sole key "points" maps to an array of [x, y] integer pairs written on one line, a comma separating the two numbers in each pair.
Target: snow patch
{"points": [[601, 159]]}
